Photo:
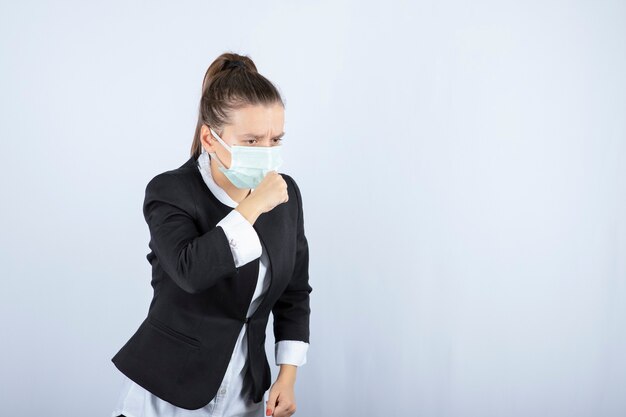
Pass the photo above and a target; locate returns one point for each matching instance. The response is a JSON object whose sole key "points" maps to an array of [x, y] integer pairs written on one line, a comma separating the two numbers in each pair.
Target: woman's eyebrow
{"points": [[260, 136]]}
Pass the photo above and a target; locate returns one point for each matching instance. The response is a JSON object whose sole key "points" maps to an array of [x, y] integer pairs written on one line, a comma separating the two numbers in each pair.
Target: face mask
{"points": [[249, 164]]}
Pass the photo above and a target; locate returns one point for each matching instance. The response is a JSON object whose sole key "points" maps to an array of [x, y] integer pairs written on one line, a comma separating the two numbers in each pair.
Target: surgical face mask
{"points": [[249, 164]]}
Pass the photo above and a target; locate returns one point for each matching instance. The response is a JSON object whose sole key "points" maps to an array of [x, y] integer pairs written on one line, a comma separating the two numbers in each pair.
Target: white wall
{"points": [[462, 169]]}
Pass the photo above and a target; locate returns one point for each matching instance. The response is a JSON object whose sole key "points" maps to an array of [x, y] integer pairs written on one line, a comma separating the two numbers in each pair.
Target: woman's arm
{"points": [[287, 373], [193, 260], [245, 243]]}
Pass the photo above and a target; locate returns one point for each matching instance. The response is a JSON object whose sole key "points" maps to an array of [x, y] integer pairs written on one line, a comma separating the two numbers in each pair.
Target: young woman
{"points": [[227, 247]]}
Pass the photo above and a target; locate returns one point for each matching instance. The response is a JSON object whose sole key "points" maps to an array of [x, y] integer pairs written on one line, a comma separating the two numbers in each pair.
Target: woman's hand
{"points": [[270, 192], [282, 401]]}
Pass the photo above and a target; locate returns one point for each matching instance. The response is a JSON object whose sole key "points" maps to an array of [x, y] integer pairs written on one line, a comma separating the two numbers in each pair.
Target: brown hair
{"points": [[229, 85]]}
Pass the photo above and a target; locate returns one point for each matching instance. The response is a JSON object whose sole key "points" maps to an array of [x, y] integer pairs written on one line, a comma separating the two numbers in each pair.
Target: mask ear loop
{"points": [[220, 140], [213, 154]]}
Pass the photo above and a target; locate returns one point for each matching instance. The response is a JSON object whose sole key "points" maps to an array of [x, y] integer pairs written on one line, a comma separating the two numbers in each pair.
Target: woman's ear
{"points": [[205, 134]]}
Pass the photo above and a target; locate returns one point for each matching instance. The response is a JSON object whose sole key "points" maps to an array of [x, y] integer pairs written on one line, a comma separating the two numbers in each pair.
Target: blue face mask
{"points": [[249, 164]]}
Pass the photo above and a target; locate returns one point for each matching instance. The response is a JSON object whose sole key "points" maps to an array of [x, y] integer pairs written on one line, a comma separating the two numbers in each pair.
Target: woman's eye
{"points": [[253, 141]]}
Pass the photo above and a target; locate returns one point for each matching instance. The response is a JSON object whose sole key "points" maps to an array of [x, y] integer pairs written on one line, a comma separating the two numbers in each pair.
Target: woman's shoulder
{"points": [[291, 183], [173, 183], [289, 179], [293, 190]]}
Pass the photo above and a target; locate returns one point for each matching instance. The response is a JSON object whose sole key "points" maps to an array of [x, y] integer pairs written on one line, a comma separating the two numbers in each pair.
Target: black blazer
{"points": [[181, 350]]}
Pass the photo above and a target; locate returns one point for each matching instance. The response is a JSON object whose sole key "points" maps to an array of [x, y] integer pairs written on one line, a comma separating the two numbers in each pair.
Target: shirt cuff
{"points": [[244, 241], [291, 352]]}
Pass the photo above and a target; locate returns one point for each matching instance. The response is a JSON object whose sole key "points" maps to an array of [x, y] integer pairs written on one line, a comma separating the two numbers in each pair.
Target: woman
{"points": [[227, 247]]}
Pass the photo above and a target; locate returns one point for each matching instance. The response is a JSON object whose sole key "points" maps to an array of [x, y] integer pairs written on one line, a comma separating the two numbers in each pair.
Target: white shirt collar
{"points": [[204, 165]]}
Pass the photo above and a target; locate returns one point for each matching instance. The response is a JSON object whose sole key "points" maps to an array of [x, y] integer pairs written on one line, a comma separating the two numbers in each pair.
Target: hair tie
{"points": [[235, 64]]}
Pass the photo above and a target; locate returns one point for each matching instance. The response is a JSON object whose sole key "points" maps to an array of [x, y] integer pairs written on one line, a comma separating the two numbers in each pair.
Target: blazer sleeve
{"points": [[292, 309], [193, 260]]}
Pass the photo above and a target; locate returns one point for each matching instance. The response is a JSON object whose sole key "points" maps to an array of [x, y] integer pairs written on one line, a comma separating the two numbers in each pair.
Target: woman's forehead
{"points": [[257, 121]]}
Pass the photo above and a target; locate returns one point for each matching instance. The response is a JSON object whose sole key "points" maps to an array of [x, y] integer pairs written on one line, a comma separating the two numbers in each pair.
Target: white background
{"points": [[463, 176]]}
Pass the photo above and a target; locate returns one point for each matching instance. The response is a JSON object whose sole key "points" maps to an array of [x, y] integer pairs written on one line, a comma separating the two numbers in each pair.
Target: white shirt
{"points": [[136, 401]]}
